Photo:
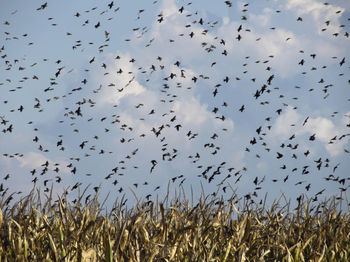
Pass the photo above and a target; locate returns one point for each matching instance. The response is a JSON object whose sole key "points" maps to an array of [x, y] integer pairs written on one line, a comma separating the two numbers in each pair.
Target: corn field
{"points": [[211, 230]]}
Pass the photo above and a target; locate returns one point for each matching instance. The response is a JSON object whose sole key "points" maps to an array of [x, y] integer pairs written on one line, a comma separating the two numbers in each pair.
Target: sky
{"points": [[134, 99]]}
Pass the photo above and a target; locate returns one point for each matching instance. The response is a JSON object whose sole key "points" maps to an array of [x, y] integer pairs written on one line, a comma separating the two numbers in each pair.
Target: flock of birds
{"points": [[172, 81]]}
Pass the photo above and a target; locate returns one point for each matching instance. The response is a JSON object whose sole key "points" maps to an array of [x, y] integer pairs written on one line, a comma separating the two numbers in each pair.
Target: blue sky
{"points": [[143, 66]]}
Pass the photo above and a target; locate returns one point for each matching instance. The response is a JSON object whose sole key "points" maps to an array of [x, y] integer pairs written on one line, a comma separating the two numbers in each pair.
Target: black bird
{"points": [[42, 7], [154, 163], [178, 127], [228, 3]]}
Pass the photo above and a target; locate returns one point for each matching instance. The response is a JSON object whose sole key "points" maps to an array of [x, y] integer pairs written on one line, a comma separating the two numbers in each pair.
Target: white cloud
{"points": [[32, 160], [262, 166], [131, 120], [319, 11], [282, 128], [118, 86], [325, 130], [275, 43], [262, 20], [36, 160], [183, 47], [191, 111], [169, 8], [271, 42], [323, 127]]}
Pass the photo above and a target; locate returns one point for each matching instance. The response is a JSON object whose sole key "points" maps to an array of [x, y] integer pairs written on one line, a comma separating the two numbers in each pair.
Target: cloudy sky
{"points": [[133, 97]]}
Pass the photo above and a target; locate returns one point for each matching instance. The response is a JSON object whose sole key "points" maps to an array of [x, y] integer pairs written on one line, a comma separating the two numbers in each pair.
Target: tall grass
{"points": [[171, 230]]}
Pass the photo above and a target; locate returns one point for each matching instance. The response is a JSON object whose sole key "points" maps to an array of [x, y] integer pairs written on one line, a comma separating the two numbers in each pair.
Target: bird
{"points": [[154, 163], [42, 7]]}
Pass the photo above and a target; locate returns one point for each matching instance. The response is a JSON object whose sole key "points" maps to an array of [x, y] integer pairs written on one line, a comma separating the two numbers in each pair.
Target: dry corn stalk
{"points": [[209, 231]]}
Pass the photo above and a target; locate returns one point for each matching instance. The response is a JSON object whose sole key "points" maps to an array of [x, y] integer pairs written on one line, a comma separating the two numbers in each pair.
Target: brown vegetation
{"points": [[212, 230]]}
